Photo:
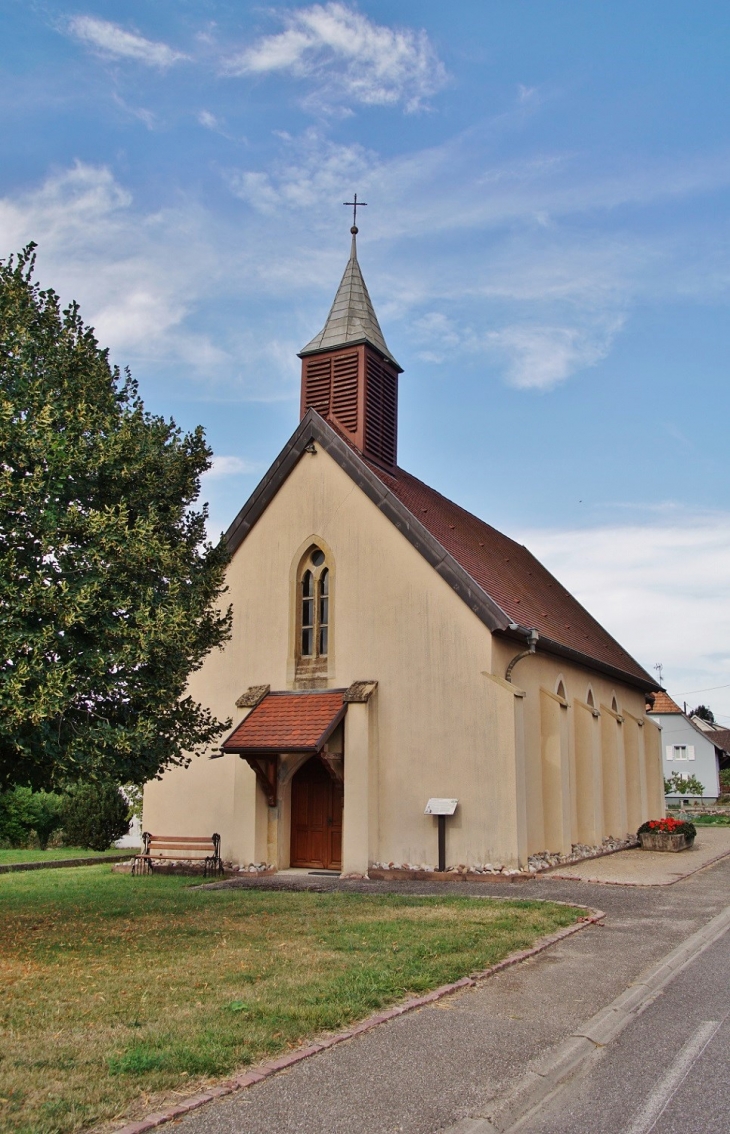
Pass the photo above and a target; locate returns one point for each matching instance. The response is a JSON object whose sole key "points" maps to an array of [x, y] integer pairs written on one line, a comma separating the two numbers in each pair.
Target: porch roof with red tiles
{"points": [[509, 573], [289, 722]]}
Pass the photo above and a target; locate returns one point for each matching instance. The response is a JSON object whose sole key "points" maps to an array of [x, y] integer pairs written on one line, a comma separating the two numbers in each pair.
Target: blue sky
{"points": [[547, 244]]}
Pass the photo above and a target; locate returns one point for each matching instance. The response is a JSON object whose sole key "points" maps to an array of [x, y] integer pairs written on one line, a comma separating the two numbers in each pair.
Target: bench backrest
{"points": [[181, 846]]}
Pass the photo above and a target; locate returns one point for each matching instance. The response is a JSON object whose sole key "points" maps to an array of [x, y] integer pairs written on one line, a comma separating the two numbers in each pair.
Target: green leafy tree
{"points": [[110, 595], [24, 811], [678, 784], [704, 713], [94, 815]]}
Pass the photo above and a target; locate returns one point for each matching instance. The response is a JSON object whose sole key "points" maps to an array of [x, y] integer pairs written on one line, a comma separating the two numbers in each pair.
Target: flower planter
{"points": [[664, 841]]}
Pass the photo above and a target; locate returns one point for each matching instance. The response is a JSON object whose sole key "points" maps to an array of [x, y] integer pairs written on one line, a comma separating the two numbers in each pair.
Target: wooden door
{"points": [[316, 818]]}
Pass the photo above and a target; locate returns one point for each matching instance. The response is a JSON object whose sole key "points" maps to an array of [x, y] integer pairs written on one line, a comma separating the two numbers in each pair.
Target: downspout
{"points": [[532, 640]]}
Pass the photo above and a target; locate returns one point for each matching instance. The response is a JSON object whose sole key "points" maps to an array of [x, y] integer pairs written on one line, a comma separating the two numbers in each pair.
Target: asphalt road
{"points": [[668, 1071], [426, 1071]]}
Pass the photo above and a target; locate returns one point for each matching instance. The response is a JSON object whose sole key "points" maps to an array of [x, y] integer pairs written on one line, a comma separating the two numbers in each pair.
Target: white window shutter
{"points": [[670, 752], [690, 751]]}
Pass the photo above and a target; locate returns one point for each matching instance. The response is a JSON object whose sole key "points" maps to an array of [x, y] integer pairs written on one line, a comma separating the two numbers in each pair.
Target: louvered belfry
{"points": [[348, 374]]}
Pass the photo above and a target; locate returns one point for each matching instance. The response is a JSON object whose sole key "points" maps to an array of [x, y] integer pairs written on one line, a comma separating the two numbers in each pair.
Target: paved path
{"points": [[653, 868], [425, 1071], [668, 1070]]}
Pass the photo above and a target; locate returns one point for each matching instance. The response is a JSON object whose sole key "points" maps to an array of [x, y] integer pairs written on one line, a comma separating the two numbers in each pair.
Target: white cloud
{"points": [[454, 259], [314, 170], [111, 39], [154, 283], [230, 466], [514, 260], [532, 356], [347, 56], [205, 118], [662, 589], [126, 268], [540, 357]]}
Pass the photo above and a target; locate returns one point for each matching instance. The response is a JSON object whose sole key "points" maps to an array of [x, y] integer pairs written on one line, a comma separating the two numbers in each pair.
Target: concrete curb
{"points": [[53, 864], [641, 885], [273, 1066], [559, 1066]]}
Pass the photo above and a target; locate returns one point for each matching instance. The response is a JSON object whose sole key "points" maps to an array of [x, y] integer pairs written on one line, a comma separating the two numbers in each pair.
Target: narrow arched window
{"points": [[589, 699], [324, 612], [614, 704], [307, 614], [561, 691], [314, 615]]}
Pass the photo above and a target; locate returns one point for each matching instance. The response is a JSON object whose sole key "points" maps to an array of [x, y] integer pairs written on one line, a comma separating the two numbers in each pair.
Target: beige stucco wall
{"points": [[606, 761], [441, 727], [443, 722]]}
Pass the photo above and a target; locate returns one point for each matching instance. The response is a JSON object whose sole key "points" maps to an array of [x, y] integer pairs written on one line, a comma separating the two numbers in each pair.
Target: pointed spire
{"points": [[352, 318]]}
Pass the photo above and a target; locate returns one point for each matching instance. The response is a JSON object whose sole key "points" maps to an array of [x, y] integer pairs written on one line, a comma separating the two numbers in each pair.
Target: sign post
{"points": [[441, 808]]}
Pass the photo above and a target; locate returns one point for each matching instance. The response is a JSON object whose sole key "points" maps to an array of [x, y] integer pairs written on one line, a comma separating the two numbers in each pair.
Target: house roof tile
{"points": [[289, 722], [663, 703], [720, 737]]}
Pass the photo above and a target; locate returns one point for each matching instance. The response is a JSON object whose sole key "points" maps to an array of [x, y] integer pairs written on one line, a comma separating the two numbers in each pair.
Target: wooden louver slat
{"points": [[318, 385], [357, 391], [381, 416], [344, 390]]}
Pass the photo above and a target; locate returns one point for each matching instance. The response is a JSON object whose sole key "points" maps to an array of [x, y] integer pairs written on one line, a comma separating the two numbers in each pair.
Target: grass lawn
{"points": [[53, 854], [711, 820], [118, 991]]}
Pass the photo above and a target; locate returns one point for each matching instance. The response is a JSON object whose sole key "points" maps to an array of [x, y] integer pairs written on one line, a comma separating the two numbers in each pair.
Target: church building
{"points": [[390, 648]]}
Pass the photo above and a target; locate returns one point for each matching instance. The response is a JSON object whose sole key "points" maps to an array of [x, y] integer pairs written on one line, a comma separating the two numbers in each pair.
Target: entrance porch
{"points": [[311, 754]]}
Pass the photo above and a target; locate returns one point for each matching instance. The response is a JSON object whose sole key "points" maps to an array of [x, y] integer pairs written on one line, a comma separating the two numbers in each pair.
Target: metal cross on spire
{"points": [[355, 205]]}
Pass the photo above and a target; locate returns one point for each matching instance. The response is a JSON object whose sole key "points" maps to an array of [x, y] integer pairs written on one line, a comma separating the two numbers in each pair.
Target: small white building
{"points": [[686, 749]]}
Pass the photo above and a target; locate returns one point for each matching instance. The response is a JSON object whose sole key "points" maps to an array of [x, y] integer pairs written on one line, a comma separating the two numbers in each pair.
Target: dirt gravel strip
{"points": [[61, 863], [273, 1066]]}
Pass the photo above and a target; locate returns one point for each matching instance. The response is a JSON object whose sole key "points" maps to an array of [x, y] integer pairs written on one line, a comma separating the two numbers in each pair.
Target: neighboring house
{"points": [[389, 647], [133, 837], [687, 747], [719, 736]]}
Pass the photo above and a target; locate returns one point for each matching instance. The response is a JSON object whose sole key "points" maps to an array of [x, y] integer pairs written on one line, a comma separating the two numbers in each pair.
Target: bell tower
{"points": [[348, 374]]}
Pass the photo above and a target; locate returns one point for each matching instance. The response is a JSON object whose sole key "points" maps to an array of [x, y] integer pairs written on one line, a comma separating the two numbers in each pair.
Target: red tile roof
{"points": [[288, 722], [663, 703], [510, 574]]}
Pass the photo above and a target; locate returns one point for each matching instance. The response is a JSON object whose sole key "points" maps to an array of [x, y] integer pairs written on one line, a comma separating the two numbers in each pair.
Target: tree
{"points": [[23, 811], [704, 713], [678, 784], [110, 595], [94, 815]]}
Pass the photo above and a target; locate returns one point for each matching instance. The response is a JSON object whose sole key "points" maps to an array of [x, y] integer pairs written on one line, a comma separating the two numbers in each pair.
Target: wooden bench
{"points": [[158, 849]]}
